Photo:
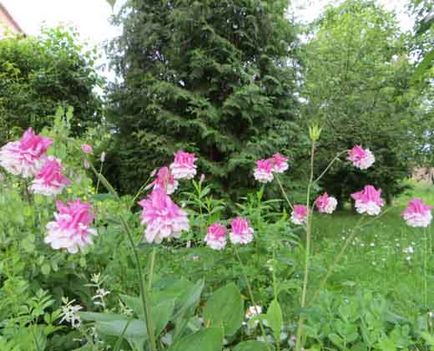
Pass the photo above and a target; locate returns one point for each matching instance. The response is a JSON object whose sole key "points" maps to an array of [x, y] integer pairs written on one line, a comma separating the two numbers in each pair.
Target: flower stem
{"points": [[299, 342], [144, 293], [249, 289], [329, 166], [425, 265], [283, 192]]}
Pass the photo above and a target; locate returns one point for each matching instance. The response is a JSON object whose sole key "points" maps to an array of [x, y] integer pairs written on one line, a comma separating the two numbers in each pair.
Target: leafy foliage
{"points": [[358, 85], [211, 77], [37, 74]]}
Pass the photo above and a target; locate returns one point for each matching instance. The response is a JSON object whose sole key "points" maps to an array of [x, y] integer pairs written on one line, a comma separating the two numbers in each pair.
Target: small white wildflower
{"points": [[69, 312], [253, 311], [372, 244], [408, 250]]}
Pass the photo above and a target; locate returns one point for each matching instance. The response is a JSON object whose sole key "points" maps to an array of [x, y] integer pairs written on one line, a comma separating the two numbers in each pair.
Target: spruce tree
{"points": [[214, 77]]}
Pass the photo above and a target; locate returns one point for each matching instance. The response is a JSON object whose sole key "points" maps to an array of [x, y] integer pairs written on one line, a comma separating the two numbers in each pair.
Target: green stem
{"points": [[283, 192], [151, 268], [425, 266], [144, 293], [249, 289], [299, 343], [329, 166]]}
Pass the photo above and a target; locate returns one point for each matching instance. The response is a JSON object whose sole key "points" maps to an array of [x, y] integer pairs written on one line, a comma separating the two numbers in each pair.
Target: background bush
{"points": [[37, 74]]}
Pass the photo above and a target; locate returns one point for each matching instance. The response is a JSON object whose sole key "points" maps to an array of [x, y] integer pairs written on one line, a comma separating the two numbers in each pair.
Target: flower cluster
{"points": [[265, 169], [417, 214], [368, 200], [361, 158], [163, 218], [240, 233], [326, 204], [26, 156], [184, 165], [300, 214], [50, 181], [165, 180], [71, 228]]}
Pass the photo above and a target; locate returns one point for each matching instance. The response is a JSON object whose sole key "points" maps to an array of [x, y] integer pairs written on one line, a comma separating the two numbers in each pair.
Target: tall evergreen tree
{"points": [[209, 76]]}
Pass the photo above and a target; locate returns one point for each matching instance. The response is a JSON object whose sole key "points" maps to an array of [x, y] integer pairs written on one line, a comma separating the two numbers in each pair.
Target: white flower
{"points": [[69, 313]]}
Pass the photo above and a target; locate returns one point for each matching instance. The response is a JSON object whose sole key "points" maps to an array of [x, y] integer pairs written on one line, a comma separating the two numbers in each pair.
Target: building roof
{"points": [[11, 23]]}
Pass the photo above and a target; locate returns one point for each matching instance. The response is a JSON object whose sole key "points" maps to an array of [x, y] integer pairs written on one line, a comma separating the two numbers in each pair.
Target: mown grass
{"points": [[376, 258]]}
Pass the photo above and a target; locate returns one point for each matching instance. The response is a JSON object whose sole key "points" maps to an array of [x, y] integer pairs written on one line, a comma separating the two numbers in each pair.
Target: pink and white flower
{"points": [[25, 156], [368, 200], [326, 203], [184, 165], [86, 148], [165, 180], [71, 228], [361, 158], [417, 214], [264, 171], [162, 217], [279, 162], [216, 236], [299, 214], [241, 232], [50, 181]]}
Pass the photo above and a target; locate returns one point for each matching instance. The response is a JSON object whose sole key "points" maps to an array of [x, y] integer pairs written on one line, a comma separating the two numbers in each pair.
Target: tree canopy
{"points": [[357, 85], [216, 77], [39, 74]]}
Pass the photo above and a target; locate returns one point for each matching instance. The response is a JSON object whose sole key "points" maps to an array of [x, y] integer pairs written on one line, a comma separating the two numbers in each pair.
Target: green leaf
{"points": [[225, 307], [275, 318], [116, 325], [161, 312], [253, 345], [134, 331], [45, 269], [210, 339]]}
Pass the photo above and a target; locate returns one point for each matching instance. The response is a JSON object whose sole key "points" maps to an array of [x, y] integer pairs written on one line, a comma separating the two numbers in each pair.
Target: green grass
{"points": [[375, 258]]}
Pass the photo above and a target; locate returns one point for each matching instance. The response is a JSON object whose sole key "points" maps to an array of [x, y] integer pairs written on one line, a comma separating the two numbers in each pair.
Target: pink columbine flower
{"points": [[165, 181], [326, 203], [184, 165], [417, 214], [162, 217], [368, 200], [86, 148], [50, 181], [216, 236], [279, 162], [25, 156], [264, 171], [241, 232], [361, 158], [299, 214], [71, 228]]}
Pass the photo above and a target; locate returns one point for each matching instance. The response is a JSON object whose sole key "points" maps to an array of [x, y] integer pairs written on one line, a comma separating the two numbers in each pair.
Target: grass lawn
{"points": [[385, 256]]}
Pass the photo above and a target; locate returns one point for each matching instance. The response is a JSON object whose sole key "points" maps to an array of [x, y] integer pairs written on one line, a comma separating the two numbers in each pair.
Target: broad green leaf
{"points": [[253, 345], [161, 312], [275, 318], [100, 317], [134, 331], [225, 308], [210, 339]]}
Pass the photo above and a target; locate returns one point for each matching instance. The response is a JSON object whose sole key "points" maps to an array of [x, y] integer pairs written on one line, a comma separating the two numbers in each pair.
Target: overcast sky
{"points": [[91, 17]]}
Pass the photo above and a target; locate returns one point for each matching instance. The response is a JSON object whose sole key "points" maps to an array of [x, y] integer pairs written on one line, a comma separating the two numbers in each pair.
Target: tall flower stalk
{"points": [[308, 227], [144, 289]]}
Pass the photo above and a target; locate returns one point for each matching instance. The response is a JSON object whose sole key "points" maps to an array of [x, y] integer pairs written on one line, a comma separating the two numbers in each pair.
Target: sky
{"points": [[92, 17]]}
